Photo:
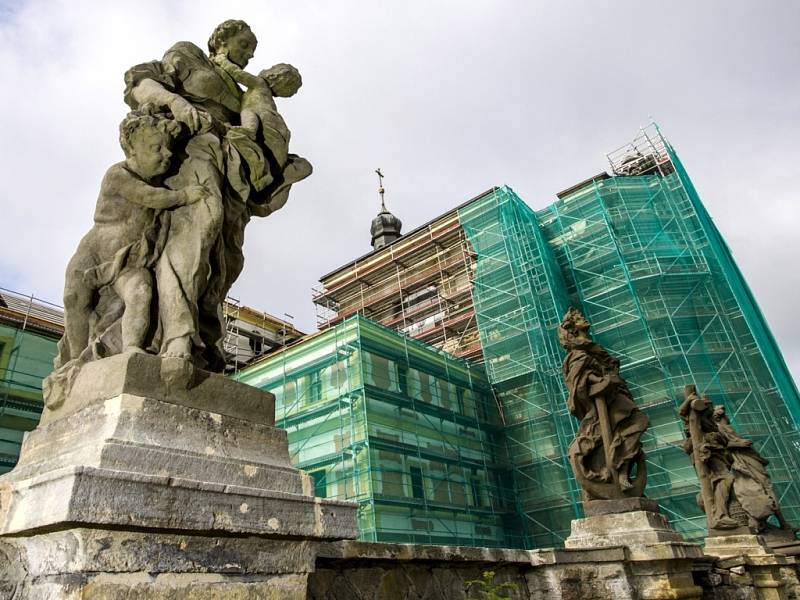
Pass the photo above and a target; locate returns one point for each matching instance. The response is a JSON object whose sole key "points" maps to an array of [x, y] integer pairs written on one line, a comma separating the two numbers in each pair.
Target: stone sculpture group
{"points": [[735, 489], [607, 457], [203, 156]]}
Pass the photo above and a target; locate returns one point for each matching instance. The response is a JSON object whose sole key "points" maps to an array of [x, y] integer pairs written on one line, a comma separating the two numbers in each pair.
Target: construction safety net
{"points": [[639, 256], [409, 432]]}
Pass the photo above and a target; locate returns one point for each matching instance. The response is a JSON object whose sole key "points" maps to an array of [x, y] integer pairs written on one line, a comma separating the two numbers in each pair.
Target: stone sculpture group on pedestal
{"points": [[609, 463], [150, 474], [736, 492]]}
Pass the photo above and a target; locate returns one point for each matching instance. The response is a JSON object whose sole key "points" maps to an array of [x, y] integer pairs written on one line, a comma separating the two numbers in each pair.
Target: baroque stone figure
{"points": [[735, 489], [606, 454], [203, 156], [741, 491], [751, 483], [712, 462]]}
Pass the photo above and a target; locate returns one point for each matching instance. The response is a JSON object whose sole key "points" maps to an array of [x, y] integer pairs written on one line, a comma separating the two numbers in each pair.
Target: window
{"points": [[402, 378], [320, 483], [256, 345], [315, 388], [417, 487], [477, 492]]}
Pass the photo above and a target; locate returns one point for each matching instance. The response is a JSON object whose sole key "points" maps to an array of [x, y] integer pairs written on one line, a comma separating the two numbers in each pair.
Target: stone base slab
{"points": [[141, 375], [144, 435], [96, 563], [724, 546], [349, 569], [138, 462], [85, 550], [593, 508], [90, 496], [636, 528]]}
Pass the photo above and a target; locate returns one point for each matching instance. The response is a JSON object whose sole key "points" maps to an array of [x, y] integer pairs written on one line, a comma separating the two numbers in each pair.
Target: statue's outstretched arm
{"points": [[152, 92], [120, 183], [239, 75]]}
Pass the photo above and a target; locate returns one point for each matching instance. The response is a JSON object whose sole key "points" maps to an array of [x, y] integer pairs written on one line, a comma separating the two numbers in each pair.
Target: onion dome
{"points": [[385, 227]]}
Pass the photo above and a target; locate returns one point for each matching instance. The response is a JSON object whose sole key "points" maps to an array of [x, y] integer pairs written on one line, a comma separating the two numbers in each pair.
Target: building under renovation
{"points": [[408, 431], [636, 251], [29, 332]]}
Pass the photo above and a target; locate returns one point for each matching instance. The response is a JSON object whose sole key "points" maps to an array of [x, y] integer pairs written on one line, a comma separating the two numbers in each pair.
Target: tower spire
{"points": [[385, 227], [380, 188]]}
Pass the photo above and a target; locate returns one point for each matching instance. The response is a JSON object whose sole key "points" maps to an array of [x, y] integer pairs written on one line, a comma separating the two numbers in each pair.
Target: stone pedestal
{"points": [[185, 492], [660, 561], [772, 575]]}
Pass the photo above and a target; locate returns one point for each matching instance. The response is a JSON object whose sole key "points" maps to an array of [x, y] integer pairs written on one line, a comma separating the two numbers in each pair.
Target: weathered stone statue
{"points": [[712, 462], [151, 475], [734, 473], [751, 483], [202, 158], [606, 455], [609, 463]]}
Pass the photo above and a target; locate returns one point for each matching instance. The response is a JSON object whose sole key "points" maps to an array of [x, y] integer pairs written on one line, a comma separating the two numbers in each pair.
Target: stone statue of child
{"points": [[123, 243], [258, 104], [259, 112]]}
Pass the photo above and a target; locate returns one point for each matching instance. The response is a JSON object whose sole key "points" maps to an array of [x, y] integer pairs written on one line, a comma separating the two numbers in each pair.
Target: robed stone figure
{"points": [[606, 454], [735, 488]]}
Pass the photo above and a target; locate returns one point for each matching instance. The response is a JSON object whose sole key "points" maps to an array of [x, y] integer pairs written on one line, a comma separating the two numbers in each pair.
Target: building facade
{"points": [[637, 252], [29, 333], [409, 432]]}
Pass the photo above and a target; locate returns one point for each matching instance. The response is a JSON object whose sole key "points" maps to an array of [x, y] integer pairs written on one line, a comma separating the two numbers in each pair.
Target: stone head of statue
{"points": [[283, 79], [234, 39], [573, 330], [147, 142]]}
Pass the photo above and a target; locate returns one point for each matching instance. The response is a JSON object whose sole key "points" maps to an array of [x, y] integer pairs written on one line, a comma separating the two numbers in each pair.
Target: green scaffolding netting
{"points": [[26, 358], [407, 431], [640, 257]]}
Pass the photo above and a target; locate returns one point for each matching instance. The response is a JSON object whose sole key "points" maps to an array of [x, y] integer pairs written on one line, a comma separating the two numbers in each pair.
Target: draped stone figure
{"points": [[712, 462], [751, 482], [606, 454], [203, 156], [735, 488]]}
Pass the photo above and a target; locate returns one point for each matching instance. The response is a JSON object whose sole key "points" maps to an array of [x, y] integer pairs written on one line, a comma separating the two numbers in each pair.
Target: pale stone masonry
{"points": [[129, 494]]}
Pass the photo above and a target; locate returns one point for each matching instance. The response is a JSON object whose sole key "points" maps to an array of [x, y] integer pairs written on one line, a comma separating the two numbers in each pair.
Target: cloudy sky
{"points": [[448, 98]]}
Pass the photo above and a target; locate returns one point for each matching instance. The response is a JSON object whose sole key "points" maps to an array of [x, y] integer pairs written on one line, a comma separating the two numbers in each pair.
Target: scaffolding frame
{"points": [[29, 332], [645, 264], [251, 333], [365, 407], [420, 285]]}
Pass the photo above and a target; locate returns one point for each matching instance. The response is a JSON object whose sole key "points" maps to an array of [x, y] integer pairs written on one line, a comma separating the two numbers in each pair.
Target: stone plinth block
{"points": [[112, 564], [593, 508], [724, 546], [658, 560], [174, 494], [141, 375], [634, 528], [138, 462]]}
